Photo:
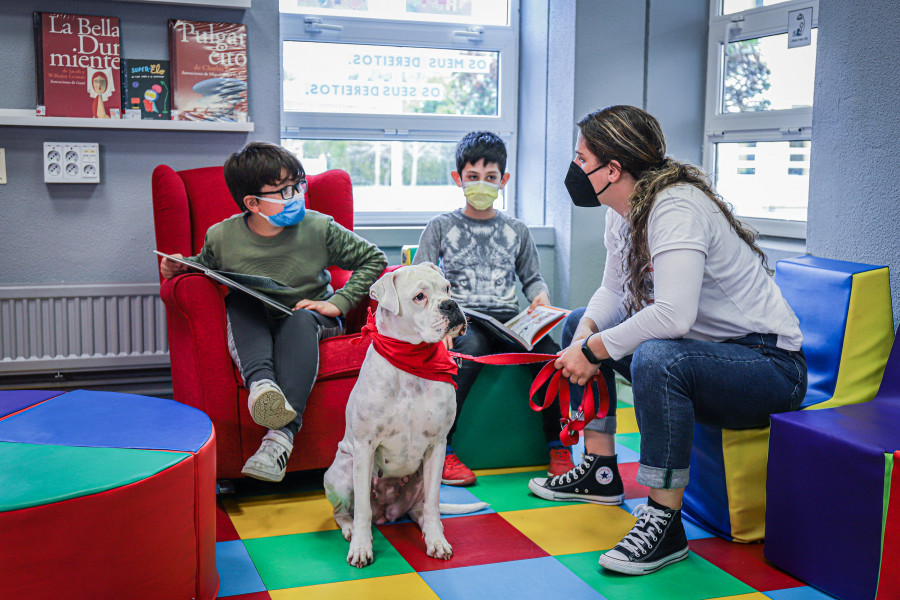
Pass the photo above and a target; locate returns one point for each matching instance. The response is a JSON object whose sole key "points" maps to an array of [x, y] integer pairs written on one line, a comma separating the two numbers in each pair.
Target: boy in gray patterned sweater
{"points": [[482, 251]]}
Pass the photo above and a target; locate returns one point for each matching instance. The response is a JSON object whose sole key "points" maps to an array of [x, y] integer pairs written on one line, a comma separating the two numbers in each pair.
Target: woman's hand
{"points": [[320, 306], [169, 268], [575, 366], [541, 299]]}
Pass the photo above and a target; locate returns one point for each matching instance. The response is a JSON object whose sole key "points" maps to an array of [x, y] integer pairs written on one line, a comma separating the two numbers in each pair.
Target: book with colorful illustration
{"points": [[208, 70], [145, 89], [77, 65]]}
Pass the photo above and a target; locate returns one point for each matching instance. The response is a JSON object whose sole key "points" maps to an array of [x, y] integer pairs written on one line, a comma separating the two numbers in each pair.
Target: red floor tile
{"points": [[476, 540], [745, 562], [253, 596], [633, 489], [225, 531]]}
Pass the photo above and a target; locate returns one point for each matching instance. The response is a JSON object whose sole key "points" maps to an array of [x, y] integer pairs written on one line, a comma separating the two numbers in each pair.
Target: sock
{"points": [[659, 506]]}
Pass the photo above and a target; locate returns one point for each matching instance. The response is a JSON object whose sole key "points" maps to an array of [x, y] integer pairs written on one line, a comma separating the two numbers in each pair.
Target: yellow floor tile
{"points": [[625, 421], [753, 596], [408, 586], [265, 516], [506, 470], [570, 529]]}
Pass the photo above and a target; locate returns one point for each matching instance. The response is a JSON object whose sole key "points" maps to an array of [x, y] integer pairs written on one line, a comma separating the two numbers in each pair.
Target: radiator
{"points": [[84, 327]]}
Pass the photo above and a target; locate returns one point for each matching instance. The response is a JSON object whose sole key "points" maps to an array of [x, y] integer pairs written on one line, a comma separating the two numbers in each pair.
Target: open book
{"points": [[525, 329], [238, 281]]}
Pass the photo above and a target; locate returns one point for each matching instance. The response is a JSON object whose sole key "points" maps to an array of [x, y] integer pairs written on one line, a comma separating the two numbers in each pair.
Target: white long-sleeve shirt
{"points": [[708, 284]]}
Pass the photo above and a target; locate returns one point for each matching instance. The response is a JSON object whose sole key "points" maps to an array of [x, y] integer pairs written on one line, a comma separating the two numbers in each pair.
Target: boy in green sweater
{"points": [[275, 236]]}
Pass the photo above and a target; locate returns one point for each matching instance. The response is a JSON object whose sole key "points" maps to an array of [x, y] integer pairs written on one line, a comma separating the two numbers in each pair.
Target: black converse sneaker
{"points": [[656, 540], [595, 480]]}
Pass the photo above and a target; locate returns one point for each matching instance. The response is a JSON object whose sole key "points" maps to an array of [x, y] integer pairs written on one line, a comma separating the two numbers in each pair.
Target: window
{"points": [[384, 89], [760, 96]]}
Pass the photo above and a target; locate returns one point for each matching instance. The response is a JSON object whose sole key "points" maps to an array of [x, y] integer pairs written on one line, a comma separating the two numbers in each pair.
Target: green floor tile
{"points": [[691, 579], [510, 491], [623, 392], [288, 561], [630, 440], [46, 473]]}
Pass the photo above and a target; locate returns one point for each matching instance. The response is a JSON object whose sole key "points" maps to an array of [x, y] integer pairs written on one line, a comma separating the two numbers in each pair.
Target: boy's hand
{"points": [[169, 268], [542, 298], [448, 342], [320, 306]]}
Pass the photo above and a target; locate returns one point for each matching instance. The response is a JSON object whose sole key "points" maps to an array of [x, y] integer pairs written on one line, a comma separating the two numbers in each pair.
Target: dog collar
{"points": [[429, 361]]}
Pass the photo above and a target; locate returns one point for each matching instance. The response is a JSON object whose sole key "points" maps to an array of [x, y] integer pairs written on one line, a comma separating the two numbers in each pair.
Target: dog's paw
{"points": [[347, 531], [439, 548], [360, 555]]}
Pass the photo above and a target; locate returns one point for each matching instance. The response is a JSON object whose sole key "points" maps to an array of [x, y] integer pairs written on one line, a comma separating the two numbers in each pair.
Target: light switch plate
{"points": [[2, 166], [66, 162]]}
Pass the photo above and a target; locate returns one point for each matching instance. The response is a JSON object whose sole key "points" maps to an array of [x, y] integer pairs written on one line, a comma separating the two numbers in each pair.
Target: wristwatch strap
{"points": [[587, 351]]}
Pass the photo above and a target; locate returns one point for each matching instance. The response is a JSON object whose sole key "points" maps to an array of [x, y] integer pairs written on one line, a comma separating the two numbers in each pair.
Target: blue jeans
{"points": [[735, 384]]}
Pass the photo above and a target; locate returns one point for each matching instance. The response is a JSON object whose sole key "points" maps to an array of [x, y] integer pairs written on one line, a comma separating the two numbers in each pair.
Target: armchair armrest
{"points": [[203, 374]]}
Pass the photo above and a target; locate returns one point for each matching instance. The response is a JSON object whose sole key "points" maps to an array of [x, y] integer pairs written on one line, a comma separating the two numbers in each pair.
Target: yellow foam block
{"points": [[867, 340], [266, 516], [408, 586], [744, 453], [625, 420], [572, 529]]}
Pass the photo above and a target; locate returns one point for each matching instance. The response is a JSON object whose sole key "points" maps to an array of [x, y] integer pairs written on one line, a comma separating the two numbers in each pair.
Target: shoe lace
{"points": [[451, 461], [574, 473], [559, 454], [650, 524]]}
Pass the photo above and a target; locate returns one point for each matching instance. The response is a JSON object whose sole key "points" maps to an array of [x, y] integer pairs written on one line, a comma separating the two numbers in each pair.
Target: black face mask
{"points": [[580, 188]]}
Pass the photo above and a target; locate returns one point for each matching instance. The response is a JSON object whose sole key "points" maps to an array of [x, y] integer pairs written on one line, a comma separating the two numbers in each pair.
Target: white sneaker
{"points": [[270, 461], [268, 406]]}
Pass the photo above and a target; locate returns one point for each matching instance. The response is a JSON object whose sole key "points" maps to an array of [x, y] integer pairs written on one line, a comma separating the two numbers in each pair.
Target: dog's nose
{"points": [[454, 314], [448, 306]]}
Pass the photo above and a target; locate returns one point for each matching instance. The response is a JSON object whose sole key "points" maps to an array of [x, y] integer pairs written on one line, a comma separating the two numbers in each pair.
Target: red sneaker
{"points": [[456, 473], [560, 461]]}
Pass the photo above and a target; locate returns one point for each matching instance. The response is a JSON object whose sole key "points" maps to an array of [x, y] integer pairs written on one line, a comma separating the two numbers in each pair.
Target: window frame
{"points": [[782, 125], [417, 127]]}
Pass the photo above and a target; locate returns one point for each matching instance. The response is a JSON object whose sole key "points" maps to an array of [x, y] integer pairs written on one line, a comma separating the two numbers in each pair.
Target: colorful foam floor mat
{"points": [[286, 546]]}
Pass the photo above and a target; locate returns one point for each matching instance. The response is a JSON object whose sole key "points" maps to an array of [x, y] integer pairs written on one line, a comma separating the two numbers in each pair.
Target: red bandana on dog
{"points": [[428, 361]]}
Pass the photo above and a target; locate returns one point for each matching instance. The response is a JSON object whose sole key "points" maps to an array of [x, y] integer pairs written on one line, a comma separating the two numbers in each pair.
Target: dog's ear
{"points": [[433, 266], [385, 293]]}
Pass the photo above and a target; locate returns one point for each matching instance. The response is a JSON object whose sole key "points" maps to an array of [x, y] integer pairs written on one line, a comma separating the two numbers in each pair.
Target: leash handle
{"points": [[588, 410]]}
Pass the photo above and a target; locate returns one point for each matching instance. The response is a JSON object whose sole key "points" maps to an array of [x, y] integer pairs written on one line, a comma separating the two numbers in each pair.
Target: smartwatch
{"points": [[587, 351]]}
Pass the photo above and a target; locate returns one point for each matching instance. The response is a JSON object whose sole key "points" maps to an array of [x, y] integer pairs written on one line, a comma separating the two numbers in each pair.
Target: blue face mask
{"points": [[293, 213]]}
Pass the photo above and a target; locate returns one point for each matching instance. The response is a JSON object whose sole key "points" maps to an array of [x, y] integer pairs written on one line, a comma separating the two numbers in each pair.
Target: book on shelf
{"points": [[237, 281], [525, 329], [77, 65], [208, 70], [145, 89]]}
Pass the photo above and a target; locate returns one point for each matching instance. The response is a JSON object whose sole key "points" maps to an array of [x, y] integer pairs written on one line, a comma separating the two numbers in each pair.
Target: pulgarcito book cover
{"points": [[208, 70], [77, 64]]}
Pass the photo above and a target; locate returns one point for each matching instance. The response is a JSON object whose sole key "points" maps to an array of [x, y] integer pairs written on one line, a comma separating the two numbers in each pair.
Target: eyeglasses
{"points": [[287, 192]]}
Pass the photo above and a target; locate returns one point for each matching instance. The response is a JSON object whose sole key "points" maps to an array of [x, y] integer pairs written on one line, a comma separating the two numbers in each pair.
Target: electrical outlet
{"points": [[2, 166], [71, 162]]}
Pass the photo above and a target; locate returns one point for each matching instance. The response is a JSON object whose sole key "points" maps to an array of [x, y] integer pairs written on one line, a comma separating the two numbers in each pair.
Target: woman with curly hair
{"points": [[687, 311]]}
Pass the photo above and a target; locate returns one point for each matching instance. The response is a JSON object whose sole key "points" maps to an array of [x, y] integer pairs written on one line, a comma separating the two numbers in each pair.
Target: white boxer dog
{"points": [[390, 461]]}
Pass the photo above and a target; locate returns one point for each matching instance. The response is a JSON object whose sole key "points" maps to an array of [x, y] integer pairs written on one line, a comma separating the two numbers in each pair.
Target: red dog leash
{"points": [[433, 361], [587, 411]]}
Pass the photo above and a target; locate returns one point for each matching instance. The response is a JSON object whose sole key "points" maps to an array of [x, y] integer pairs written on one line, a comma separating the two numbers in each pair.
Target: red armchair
{"points": [[185, 205]]}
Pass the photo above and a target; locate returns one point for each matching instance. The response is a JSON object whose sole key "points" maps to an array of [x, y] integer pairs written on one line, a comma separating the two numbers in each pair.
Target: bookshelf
{"points": [[27, 118], [206, 3]]}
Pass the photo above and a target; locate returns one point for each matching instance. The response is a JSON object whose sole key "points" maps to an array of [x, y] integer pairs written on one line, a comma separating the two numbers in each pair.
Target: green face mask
{"points": [[480, 194]]}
